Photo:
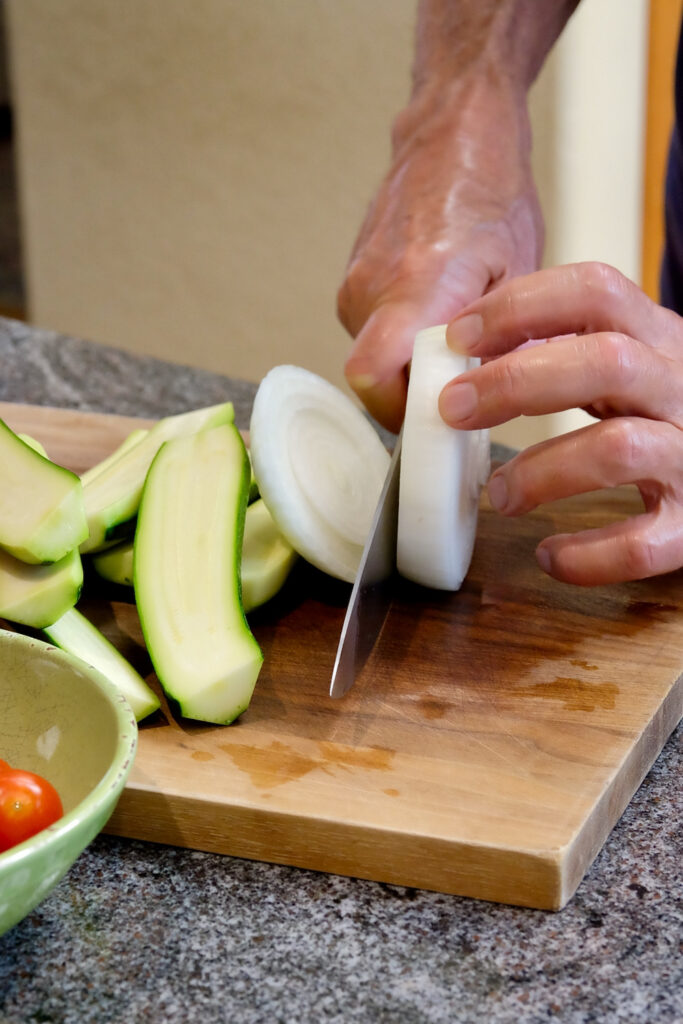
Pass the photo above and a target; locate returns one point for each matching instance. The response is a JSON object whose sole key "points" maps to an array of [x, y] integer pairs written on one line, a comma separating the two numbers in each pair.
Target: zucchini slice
{"points": [[116, 564], [36, 595], [267, 558], [186, 570], [112, 495], [42, 516], [74, 633], [128, 442]]}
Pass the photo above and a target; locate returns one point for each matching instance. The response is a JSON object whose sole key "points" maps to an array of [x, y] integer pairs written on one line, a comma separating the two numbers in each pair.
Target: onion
{"points": [[319, 465], [442, 472]]}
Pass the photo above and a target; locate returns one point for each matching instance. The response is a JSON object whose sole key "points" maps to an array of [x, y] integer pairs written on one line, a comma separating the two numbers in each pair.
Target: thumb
{"points": [[376, 368]]}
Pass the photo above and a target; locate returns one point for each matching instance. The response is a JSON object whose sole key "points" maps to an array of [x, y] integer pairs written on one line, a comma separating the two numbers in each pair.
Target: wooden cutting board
{"points": [[492, 742]]}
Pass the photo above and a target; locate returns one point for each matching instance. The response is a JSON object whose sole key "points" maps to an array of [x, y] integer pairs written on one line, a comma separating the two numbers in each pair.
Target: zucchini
{"points": [[116, 564], [112, 495], [187, 553], [42, 515], [36, 595], [36, 445], [74, 633], [267, 557], [128, 442]]}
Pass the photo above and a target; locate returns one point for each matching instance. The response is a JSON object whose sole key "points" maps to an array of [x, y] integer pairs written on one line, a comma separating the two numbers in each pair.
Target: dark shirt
{"points": [[671, 279]]}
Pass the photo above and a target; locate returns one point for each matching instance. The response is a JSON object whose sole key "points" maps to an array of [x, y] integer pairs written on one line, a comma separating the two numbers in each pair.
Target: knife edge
{"points": [[371, 594]]}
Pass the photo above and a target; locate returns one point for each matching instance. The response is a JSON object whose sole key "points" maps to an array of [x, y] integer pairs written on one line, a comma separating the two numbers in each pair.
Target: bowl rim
{"points": [[113, 779]]}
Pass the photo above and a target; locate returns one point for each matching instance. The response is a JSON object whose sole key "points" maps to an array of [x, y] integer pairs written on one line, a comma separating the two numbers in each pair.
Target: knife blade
{"points": [[371, 595]]}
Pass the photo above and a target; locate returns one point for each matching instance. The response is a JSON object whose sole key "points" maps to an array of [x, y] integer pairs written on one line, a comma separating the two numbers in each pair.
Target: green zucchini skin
{"points": [[42, 515], [112, 493], [186, 570], [74, 633]]}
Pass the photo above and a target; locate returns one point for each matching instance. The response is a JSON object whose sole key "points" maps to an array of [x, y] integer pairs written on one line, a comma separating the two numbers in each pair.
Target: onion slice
{"points": [[320, 466], [442, 473]]}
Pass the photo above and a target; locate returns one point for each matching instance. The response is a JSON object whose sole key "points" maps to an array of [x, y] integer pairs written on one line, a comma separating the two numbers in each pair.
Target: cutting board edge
{"points": [[460, 868], [627, 779]]}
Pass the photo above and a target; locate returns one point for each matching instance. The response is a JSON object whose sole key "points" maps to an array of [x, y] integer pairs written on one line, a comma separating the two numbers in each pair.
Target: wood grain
{"points": [[492, 742]]}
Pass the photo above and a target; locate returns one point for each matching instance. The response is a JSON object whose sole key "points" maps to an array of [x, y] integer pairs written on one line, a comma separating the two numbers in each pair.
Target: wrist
{"points": [[480, 111], [509, 38]]}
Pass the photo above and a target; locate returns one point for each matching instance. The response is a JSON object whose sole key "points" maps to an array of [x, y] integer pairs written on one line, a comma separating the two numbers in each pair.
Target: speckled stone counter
{"points": [[140, 932]]}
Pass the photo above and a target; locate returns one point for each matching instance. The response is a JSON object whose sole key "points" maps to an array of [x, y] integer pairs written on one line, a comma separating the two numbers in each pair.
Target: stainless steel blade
{"points": [[371, 595]]}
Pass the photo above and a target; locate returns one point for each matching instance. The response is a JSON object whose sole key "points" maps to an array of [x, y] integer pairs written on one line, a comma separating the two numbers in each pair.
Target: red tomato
{"points": [[28, 804], [4, 767]]}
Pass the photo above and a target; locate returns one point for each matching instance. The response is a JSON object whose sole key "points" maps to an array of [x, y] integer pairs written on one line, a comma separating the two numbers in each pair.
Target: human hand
{"points": [[456, 214], [619, 356]]}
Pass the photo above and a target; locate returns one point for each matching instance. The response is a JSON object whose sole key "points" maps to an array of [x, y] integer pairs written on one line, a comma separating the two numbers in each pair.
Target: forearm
{"points": [[457, 210], [509, 39]]}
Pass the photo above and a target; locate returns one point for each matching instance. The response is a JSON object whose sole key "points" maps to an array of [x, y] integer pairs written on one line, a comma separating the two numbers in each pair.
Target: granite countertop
{"points": [[138, 931]]}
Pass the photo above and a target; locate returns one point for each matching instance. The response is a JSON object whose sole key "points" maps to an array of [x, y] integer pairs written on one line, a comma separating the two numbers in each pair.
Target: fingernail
{"points": [[464, 333], [543, 559], [498, 492], [361, 381], [458, 402]]}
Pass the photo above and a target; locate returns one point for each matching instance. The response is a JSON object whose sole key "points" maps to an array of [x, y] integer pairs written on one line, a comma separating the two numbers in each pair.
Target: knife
{"points": [[371, 595]]}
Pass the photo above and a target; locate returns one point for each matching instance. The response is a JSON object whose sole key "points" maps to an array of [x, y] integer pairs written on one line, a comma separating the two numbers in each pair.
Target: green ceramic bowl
{"points": [[65, 721]]}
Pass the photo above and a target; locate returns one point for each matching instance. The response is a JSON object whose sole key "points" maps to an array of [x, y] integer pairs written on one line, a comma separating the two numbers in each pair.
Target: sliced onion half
{"points": [[319, 465], [442, 473]]}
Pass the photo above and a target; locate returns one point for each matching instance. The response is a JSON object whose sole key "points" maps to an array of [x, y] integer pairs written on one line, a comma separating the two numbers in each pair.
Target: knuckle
{"points": [[603, 278], [625, 443], [639, 556], [616, 357]]}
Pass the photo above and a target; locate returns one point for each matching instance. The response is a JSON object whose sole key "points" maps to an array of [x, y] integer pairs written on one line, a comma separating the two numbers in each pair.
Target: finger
{"points": [[638, 548], [376, 366], [613, 369], [583, 298], [607, 454]]}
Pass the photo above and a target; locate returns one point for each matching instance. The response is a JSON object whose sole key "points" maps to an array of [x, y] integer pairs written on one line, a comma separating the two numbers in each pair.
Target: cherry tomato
{"points": [[4, 767], [28, 804]]}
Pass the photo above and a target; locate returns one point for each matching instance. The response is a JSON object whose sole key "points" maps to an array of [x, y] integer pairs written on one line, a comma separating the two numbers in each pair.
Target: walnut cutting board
{"points": [[492, 742]]}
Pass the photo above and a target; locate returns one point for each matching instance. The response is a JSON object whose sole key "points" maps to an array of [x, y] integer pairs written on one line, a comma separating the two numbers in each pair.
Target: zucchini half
{"points": [[267, 559], [112, 492], [36, 595], [74, 633], [42, 516], [186, 571]]}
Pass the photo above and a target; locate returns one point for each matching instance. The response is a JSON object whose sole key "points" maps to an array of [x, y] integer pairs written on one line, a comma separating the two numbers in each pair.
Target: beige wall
{"points": [[193, 174]]}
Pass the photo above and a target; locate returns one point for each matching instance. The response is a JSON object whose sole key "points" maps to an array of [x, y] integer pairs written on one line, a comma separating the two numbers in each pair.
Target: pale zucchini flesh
{"points": [[188, 545], [128, 442], [267, 558], [37, 595], [42, 515], [116, 564], [74, 633], [112, 495]]}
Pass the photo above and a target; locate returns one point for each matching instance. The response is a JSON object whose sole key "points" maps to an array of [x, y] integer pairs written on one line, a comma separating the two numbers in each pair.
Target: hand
{"points": [[623, 362], [456, 214]]}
